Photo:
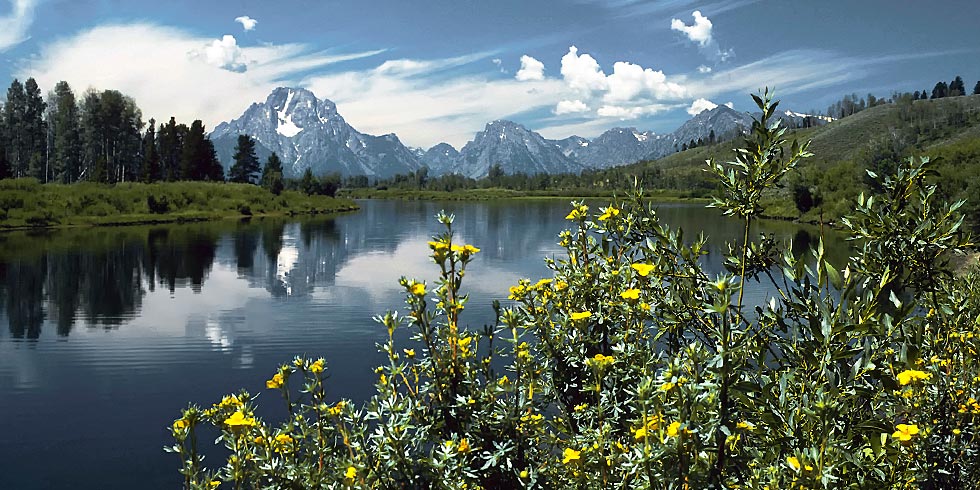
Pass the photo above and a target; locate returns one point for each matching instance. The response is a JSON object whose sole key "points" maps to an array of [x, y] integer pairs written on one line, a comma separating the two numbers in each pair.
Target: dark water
{"points": [[105, 334]]}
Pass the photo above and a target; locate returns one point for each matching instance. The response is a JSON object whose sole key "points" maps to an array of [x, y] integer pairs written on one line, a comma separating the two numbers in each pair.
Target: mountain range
{"points": [[309, 133]]}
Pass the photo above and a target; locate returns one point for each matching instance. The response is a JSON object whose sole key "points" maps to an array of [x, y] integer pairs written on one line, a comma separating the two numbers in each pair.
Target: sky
{"points": [[439, 71]]}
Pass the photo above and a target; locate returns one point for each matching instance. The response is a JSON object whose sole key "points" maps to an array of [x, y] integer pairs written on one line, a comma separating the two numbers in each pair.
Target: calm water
{"points": [[110, 332]]}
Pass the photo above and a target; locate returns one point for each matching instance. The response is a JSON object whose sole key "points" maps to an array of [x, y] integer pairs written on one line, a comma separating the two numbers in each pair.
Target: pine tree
{"points": [[215, 172], [976, 88], [195, 160], [33, 131], [65, 152], [4, 165], [272, 174], [246, 166], [13, 116], [957, 87], [150, 171], [168, 146], [940, 90]]}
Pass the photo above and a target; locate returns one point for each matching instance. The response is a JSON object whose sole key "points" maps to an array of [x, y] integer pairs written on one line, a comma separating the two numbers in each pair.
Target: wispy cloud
{"points": [[164, 70], [14, 26]]}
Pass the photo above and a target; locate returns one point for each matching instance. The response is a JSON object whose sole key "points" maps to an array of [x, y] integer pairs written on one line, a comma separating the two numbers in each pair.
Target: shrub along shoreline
{"points": [[25, 203]]}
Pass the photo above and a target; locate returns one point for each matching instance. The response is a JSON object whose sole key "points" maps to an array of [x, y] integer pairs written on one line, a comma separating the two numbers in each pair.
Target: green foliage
{"points": [[635, 367], [246, 167], [24, 202]]}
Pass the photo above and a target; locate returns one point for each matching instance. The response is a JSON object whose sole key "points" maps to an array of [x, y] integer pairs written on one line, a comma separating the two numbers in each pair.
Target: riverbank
{"points": [[491, 194], [27, 204]]}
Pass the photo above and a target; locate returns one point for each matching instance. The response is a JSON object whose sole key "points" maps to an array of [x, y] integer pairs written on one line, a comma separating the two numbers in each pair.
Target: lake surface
{"points": [[105, 334]]}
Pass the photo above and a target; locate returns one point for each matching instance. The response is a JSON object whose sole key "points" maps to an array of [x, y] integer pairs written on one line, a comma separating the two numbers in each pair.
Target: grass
{"points": [[25, 203]]}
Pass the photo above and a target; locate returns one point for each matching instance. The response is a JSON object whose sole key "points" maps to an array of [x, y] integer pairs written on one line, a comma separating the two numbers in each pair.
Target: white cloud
{"points": [[499, 63], [582, 73], [625, 113], [704, 69], [247, 22], [570, 107], [699, 32], [700, 105], [630, 82], [223, 53], [13, 27], [151, 64], [531, 69]]}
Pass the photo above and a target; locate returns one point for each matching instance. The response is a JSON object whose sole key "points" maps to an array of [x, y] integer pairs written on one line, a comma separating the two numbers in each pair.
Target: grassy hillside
{"points": [[948, 129], [25, 203]]}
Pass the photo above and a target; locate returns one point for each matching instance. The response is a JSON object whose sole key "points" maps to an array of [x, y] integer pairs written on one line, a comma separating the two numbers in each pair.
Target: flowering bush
{"points": [[632, 367]]}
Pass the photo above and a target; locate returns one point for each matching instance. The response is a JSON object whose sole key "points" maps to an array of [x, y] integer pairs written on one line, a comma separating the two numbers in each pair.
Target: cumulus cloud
{"points": [[631, 82], [186, 87], [14, 26], [704, 69], [699, 32], [223, 53], [570, 107], [626, 113], [247, 22], [531, 69], [582, 73], [700, 105]]}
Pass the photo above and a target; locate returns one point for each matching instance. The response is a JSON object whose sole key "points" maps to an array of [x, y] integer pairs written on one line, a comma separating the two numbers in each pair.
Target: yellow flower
{"points": [[667, 386], [214, 484], [581, 407], [640, 433], [230, 401], [571, 455], [673, 429], [745, 425], [409, 352], [645, 307], [464, 445], [180, 424], [561, 286], [600, 361], [609, 213], [542, 283], [259, 440], [957, 432], [276, 382], [336, 409], [516, 292], [317, 367], [523, 473], [438, 246], [503, 381], [239, 420], [578, 212], [580, 315], [910, 375], [794, 462], [904, 432], [642, 269], [351, 473], [418, 289], [630, 294]]}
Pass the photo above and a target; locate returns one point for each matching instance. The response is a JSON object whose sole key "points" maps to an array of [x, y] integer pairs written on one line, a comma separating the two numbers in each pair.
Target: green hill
{"points": [[873, 139]]}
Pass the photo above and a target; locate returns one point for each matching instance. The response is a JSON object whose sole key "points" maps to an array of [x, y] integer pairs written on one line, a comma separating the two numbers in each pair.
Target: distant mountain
{"points": [[516, 149], [441, 158], [309, 133]]}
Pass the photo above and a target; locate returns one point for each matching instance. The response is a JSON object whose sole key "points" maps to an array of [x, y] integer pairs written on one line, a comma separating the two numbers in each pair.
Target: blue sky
{"points": [[438, 71]]}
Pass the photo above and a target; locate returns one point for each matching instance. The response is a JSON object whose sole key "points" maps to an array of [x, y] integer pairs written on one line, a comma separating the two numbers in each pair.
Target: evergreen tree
{"points": [[246, 166], [215, 171], [272, 174], [915, 96], [956, 87], [168, 146], [976, 88], [4, 165], [150, 171], [940, 90], [308, 183], [65, 151], [13, 116], [111, 136], [33, 131], [195, 157]]}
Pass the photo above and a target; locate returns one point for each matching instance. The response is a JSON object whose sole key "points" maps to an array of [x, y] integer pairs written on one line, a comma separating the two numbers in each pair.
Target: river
{"points": [[106, 333]]}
